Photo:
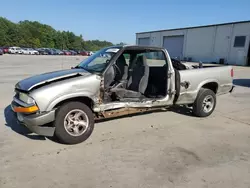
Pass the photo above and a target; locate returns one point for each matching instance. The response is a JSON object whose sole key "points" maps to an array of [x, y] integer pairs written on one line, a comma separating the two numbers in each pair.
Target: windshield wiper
{"points": [[80, 67], [77, 67]]}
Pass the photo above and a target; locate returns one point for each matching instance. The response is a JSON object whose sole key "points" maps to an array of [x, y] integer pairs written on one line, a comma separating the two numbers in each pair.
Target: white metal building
{"points": [[228, 42]]}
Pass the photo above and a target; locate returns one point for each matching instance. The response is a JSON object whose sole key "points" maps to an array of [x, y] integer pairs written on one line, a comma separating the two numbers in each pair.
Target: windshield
{"points": [[100, 60]]}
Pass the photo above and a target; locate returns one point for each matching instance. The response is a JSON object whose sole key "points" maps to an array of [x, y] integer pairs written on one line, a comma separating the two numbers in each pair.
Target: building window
{"points": [[239, 41]]}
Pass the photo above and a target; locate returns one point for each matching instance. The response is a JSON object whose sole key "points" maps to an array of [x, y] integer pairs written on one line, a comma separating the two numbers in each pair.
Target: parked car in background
{"points": [[1, 51], [50, 51], [15, 50], [42, 51], [29, 51], [90, 53], [54, 51], [5, 49], [73, 52], [77, 51], [58, 52], [25, 51], [33, 51], [66, 52], [84, 53]]}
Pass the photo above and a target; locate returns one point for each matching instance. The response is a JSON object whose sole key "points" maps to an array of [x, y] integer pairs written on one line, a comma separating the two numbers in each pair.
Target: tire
{"points": [[63, 134], [200, 108]]}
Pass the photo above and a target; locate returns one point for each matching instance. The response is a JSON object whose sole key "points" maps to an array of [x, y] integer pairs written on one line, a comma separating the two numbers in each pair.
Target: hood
{"points": [[37, 80]]}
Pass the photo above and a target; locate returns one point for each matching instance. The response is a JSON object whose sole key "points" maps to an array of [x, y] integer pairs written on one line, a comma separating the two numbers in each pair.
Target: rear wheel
{"points": [[74, 123], [205, 103]]}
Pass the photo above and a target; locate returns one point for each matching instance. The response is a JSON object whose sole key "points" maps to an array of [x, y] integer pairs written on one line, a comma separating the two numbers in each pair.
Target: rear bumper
{"points": [[37, 123]]}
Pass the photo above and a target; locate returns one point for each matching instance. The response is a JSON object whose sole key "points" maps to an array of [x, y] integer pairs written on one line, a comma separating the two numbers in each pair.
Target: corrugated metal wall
{"points": [[208, 44], [174, 45]]}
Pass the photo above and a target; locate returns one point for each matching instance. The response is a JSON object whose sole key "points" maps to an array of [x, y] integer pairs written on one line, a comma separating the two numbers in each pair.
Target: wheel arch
{"points": [[213, 85], [208, 84], [84, 99]]}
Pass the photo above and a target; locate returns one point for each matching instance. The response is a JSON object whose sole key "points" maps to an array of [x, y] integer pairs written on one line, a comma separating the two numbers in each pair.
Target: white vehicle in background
{"points": [[15, 50], [90, 53], [29, 51]]}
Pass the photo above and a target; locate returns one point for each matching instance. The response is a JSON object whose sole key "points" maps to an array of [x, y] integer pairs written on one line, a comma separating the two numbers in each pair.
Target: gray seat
{"points": [[137, 82], [117, 73], [121, 69]]}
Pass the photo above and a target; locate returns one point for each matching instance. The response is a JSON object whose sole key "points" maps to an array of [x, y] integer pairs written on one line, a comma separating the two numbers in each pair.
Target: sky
{"points": [[118, 21]]}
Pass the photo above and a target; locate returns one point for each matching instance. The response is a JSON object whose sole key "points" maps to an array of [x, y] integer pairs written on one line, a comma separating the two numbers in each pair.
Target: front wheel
{"points": [[74, 123], [205, 103]]}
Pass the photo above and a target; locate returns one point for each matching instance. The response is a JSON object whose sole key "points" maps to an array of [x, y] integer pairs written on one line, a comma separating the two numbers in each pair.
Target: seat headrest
{"points": [[141, 60], [121, 60]]}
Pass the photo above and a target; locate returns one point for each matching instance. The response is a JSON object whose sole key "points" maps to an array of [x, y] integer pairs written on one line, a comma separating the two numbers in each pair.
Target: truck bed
{"points": [[220, 76]]}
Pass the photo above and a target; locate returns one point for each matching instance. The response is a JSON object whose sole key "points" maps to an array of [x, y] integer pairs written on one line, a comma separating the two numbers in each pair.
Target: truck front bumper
{"points": [[37, 123]]}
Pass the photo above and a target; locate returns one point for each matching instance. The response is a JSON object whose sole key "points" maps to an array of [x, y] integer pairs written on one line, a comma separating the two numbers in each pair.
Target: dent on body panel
{"points": [[189, 95], [86, 87], [186, 97], [47, 97]]}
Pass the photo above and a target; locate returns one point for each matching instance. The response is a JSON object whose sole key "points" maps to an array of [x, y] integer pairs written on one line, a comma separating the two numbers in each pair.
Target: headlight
{"points": [[26, 98]]}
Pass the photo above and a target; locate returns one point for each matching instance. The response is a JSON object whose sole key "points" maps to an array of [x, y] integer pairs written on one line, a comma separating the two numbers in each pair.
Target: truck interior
{"points": [[136, 75]]}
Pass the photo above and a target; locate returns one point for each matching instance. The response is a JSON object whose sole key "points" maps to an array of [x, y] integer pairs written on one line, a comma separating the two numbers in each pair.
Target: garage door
{"points": [[143, 41], [174, 45]]}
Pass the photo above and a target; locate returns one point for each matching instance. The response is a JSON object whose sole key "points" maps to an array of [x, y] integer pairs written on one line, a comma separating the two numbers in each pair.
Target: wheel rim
{"points": [[76, 122], [208, 104]]}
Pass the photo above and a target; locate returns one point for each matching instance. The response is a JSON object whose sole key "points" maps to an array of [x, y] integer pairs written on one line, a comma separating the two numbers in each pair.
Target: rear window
{"points": [[155, 58]]}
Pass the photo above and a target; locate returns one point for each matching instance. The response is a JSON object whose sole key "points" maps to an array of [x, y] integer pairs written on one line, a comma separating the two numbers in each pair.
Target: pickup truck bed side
{"points": [[217, 79]]}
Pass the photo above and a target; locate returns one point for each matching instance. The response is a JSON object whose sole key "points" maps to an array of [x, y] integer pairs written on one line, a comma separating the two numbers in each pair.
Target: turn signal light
{"points": [[26, 109]]}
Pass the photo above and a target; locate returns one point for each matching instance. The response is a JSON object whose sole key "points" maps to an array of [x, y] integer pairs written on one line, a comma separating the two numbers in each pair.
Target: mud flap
{"points": [[231, 90]]}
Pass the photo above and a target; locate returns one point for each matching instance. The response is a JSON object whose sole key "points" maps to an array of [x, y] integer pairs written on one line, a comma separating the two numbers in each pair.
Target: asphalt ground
{"points": [[163, 149]]}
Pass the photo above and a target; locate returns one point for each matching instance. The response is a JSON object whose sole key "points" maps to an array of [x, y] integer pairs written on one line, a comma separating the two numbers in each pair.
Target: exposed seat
{"points": [[118, 73], [137, 82], [122, 69]]}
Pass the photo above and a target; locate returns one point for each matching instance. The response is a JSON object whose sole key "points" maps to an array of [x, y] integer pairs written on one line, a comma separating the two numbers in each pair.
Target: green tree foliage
{"points": [[94, 45], [122, 43], [34, 34]]}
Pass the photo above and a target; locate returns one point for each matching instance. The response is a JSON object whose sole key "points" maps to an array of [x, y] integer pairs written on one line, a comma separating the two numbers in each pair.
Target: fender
{"points": [[188, 97], [54, 102], [204, 83]]}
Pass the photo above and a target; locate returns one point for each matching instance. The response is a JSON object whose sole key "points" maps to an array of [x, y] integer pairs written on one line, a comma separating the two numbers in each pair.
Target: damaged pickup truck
{"points": [[115, 81]]}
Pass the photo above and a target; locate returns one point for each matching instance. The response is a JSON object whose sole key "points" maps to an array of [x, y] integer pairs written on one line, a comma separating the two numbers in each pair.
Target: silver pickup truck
{"points": [[113, 82]]}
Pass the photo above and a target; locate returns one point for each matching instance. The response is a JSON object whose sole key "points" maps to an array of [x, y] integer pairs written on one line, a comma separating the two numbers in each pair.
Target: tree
{"points": [[121, 43], [34, 34]]}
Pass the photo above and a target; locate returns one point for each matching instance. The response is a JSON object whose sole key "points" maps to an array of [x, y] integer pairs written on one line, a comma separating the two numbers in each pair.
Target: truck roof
{"points": [[138, 47]]}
